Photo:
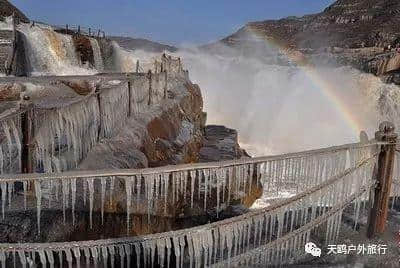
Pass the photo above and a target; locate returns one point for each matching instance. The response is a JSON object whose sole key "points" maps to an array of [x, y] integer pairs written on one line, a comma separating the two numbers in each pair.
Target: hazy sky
{"points": [[169, 21]]}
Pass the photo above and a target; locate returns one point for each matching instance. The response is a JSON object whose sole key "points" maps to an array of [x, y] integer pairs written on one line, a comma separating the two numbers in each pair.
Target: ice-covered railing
{"points": [[325, 185], [227, 180], [60, 137]]}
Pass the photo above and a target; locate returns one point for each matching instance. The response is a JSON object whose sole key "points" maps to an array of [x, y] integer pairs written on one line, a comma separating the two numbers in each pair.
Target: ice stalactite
{"points": [[114, 111], [38, 194], [65, 132]]}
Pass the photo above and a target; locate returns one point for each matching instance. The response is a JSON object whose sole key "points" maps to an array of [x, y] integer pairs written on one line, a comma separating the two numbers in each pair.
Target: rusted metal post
{"points": [[27, 128], [165, 84], [149, 76], [383, 174]]}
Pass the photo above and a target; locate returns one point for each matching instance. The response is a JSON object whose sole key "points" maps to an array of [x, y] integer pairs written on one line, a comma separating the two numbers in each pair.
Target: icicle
{"points": [[1, 160], [128, 255], [166, 192], [161, 251], [73, 195], [6, 130], [65, 197], [111, 250], [230, 177], [104, 255], [38, 193], [175, 243], [68, 257], [128, 189], [139, 188], [112, 183], [77, 254], [192, 183], [217, 174], [103, 196], [95, 255], [22, 258], [84, 186], [18, 142], [3, 186], [91, 194], [10, 192], [190, 250], [121, 252], [206, 174], [168, 246]]}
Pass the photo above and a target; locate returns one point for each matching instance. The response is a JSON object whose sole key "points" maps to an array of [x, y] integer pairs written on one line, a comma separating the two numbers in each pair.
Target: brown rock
{"points": [[81, 87], [10, 91]]}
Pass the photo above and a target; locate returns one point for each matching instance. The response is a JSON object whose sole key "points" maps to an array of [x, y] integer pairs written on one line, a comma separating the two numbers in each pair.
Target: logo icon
{"points": [[312, 249]]}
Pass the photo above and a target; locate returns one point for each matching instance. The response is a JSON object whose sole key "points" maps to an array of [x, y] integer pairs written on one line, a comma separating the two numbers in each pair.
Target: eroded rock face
{"points": [[220, 143], [84, 49]]}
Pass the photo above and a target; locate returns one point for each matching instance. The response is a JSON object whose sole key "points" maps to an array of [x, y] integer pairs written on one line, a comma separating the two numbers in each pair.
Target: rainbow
{"points": [[328, 89]]}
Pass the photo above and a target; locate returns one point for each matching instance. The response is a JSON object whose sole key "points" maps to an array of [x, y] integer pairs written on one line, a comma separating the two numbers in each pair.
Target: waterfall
{"points": [[125, 60], [98, 59], [50, 53]]}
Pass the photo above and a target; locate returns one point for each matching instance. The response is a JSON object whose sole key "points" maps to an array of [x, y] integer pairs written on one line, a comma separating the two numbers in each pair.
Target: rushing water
{"points": [[287, 108]]}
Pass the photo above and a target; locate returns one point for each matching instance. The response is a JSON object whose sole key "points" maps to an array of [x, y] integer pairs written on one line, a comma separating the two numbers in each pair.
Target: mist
{"points": [[279, 108]]}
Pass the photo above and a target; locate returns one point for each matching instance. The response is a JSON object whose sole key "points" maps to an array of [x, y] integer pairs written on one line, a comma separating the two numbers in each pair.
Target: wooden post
{"points": [[165, 84], [137, 66], [27, 128], [383, 174], [149, 76], [129, 97], [101, 125]]}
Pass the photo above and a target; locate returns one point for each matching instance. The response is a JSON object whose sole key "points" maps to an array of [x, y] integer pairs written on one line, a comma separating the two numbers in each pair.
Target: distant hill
{"points": [[7, 9], [143, 44], [346, 23]]}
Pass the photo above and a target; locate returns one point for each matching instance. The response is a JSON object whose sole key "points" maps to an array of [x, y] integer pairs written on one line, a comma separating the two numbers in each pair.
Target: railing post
{"points": [[137, 66], [66, 28], [149, 76], [165, 84], [98, 33], [79, 29], [129, 97], [101, 124], [90, 32], [383, 174], [27, 128]]}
